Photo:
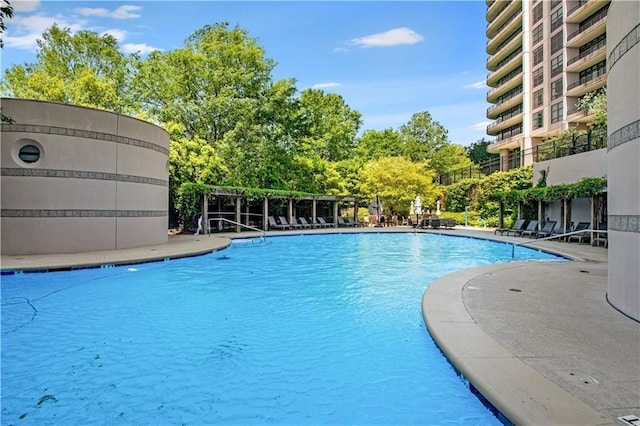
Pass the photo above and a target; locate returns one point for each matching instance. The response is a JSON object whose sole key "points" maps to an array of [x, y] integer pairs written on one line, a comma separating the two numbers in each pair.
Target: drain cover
{"points": [[516, 290], [630, 420]]}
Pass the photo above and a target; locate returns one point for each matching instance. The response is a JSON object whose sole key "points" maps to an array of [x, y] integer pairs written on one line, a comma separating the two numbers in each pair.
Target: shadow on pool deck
{"points": [[537, 339]]}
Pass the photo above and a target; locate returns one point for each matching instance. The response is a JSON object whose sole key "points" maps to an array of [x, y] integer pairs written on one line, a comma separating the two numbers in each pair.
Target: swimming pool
{"points": [[316, 329]]}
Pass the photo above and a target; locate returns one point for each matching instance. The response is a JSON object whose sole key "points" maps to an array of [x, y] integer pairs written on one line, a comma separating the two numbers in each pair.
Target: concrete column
{"points": [[335, 213], [623, 152], [290, 209], [265, 214], [314, 214], [238, 213], [504, 160], [567, 215], [205, 213]]}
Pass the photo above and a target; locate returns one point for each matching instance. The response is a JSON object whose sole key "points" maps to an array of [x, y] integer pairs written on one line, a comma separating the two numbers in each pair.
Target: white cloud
{"points": [[122, 12], [25, 30], [118, 34], [325, 85], [141, 48], [480, 126], [24, 5], [394, 37], [340, 50], [477, 85]]}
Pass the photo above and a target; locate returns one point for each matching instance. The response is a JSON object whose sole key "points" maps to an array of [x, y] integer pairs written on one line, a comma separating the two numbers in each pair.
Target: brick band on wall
{"points": [[39, 213], [627, 43], [63, 131], [623, 135], [80, 174], [624, 223]]}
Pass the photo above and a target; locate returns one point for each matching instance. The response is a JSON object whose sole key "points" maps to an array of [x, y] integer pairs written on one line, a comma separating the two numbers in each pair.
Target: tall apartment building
{"points": [[544, 55]]}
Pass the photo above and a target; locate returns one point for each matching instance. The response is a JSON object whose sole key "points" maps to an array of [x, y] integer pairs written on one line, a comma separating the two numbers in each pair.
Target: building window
{"points": [[556, 65], [538, 98], [538, 119], [538, 77], [556, 88], [29, 153], [556, 112], [537, 13], [537, 34], [556, 42], [538, 55], [556, 20], [593, 71], [555, 3]]}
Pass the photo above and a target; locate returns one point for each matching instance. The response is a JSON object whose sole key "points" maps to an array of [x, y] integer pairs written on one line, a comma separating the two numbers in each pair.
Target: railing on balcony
{"points": [[590, 52], [590, 141], [509, 134], [504, 118], [577, 6], [587, 26], [506, 23], [516, 53], [504, 99], [591, 78]]}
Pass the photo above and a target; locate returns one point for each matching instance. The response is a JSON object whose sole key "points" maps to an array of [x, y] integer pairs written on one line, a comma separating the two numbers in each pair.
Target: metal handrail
{"points": [[582, 231], [235, 223]]}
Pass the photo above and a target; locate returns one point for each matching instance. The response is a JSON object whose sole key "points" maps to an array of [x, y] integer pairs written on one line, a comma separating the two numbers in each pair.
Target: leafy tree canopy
{"points": [[477, 151]]}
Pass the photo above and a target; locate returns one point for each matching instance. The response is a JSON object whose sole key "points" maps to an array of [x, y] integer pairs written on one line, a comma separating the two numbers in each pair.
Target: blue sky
{"points": [[387, 59]]}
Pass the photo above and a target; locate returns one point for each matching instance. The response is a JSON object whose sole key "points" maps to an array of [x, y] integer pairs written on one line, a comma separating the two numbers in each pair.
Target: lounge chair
{"points": [[546, 230], [291, 225], [343, 224], [354, 223], [584, 237], [274, 225], [532, 226], [326, 224], [448, 223], [304, 222], [600, 237], [517, 226], [303, 225]]}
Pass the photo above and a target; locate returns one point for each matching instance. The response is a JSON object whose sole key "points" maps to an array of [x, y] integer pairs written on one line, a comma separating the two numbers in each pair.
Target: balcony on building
{"points": [[588, 32], [578, 116], [577, 11], [588, 58], [505, 122], [504, 104], [510, 140], [500, 26], [494, 8], [511, 62], [587, 84], [512, 83]]}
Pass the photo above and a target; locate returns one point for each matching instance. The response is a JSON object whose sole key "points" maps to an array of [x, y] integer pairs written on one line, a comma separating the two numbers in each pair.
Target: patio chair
{"points": [[326, 224], [354, 223], [274, 225], [303, 225], [532, 226], [292, 225], [304, 222], [343, 224], [601, 237], [546, 230], [584, 237], [518, 225]]}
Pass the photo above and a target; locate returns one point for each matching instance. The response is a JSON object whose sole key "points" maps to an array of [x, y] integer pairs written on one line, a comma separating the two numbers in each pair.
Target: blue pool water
{"points": [[322, 329]]}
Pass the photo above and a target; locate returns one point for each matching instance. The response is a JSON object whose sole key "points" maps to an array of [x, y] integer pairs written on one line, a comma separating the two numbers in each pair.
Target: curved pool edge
{"points": [[521, 394], [179, 246]]}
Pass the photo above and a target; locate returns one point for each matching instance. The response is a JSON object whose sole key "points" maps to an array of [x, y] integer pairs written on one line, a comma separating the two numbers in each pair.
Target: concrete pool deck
{"points": [[537, 339]]}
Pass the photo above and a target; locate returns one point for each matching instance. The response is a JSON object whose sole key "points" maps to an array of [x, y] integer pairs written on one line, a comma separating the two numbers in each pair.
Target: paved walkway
{"points": [[538, 339]]}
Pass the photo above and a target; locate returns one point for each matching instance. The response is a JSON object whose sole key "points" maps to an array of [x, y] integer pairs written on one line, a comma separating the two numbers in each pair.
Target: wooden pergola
{"points": [[231, 209]]}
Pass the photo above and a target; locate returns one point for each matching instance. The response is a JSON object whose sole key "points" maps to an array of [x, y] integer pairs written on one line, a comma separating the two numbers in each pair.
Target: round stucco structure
{"points": [[77, 179], [623, 155]]}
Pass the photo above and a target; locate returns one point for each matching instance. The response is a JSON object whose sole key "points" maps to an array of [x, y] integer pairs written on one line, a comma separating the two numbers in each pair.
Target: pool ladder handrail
{"points": [[513, 246], [234, 223]]}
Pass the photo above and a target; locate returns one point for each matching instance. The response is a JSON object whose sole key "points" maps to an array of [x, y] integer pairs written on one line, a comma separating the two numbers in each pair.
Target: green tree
{"points": [[397, 181], [595, 103], [330, 125], [6, 12], [81, 69], [211, 85], [477, 151], [374, 144]]}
